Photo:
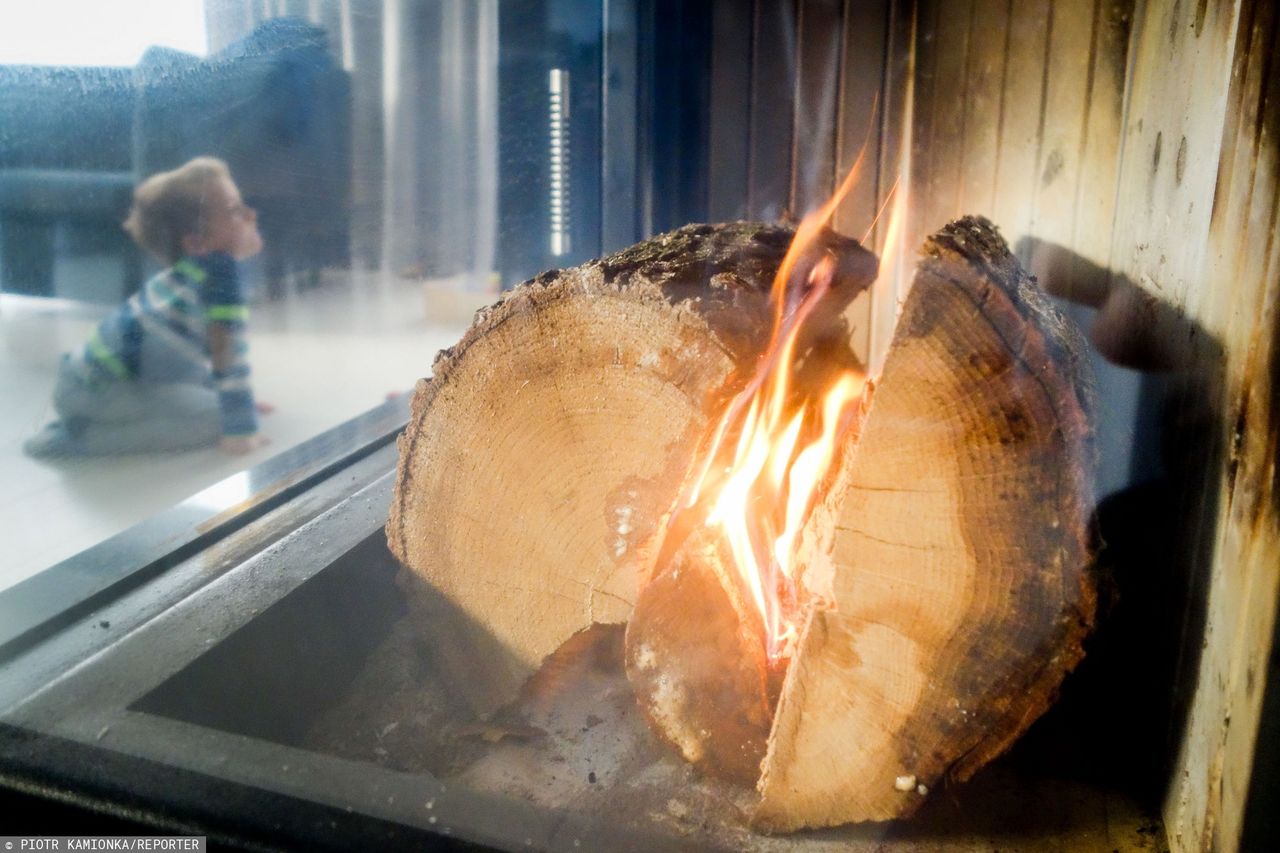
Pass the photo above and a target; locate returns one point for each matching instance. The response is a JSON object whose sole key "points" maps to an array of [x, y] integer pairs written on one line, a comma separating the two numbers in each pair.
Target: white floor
{"points": [[321, 357]]}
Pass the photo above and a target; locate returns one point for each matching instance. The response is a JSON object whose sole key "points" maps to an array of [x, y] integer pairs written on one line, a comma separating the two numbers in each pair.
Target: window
{"points": [[86, 32]]}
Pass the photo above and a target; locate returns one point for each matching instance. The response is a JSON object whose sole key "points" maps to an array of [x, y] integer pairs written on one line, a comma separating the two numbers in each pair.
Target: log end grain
{"points": [[962, 582]]}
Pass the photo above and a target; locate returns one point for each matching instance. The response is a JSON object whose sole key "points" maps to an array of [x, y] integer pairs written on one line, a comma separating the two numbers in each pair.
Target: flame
{"points": [[763, 490]]}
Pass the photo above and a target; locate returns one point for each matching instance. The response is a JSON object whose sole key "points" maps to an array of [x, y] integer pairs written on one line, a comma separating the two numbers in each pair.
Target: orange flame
{"points": [[766, 488]]}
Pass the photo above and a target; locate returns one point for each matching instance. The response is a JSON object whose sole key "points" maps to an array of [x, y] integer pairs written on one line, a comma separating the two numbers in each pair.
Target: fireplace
{"points": [[258, 671]]}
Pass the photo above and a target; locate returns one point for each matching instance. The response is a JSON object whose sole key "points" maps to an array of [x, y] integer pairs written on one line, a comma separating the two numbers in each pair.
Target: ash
{"points": [[574, 742]]}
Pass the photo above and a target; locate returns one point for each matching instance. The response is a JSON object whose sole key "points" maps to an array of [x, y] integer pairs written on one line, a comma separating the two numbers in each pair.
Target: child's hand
{"points": [[264, 408], [240, 444]]}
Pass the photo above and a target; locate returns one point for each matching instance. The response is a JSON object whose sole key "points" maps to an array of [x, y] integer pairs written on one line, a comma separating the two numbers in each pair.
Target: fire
{"points": [[767, 498], [763, 470]]}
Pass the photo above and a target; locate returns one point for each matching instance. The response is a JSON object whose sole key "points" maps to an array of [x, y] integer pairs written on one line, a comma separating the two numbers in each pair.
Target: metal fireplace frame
{"points": [[79, 723], [84, 641]]}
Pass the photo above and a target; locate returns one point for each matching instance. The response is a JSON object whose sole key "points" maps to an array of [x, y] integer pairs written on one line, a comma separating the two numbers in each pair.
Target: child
{"points": [[167, 370]]}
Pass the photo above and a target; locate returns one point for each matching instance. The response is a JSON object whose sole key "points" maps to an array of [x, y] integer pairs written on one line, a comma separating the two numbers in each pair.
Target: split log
{"points": [[547, 448], [553, 437], [696, 663], [962, 592]]}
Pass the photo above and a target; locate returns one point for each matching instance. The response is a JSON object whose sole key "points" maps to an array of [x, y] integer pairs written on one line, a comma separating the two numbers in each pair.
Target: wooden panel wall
{"points": [[1144, 141], [1015, 114], [1129, 144], [1017, 117], [1196, 227], [801, 87]]}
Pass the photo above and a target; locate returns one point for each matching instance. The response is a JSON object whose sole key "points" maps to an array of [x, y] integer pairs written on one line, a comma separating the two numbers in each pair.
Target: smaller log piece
{"points": [[698, 668], [961, 561], [553, 437], [695, 652]]}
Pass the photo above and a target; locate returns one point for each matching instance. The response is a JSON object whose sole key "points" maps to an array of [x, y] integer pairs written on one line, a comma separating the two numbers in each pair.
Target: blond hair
{"points": [[168, 206]]}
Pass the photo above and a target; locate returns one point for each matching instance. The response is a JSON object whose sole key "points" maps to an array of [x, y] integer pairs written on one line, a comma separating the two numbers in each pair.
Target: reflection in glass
{"points": [[364, 135]]}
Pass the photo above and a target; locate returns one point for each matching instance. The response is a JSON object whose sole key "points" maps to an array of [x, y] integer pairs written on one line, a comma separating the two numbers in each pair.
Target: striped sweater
{"points": [[166, 332]]}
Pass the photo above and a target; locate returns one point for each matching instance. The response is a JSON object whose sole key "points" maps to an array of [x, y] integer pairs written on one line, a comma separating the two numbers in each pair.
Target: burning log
{"points": [[564, 467], [551, 439]]}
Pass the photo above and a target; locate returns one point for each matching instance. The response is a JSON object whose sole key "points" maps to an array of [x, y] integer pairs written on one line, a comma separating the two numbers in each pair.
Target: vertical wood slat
{"points": [[730, 124], [983, 98], [1234, 296], [1100, 153], [1020, 116], [896, 102], [1178, 86], [773, 63], [1251, 545], [925, 84], [941, 152], [861, 110], [862, 113], [922, 119], [894, 165], [1065, 114], [815, 130]]}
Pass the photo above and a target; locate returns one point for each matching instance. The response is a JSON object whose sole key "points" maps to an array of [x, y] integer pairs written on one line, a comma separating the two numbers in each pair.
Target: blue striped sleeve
{"points": [[225, 306]]}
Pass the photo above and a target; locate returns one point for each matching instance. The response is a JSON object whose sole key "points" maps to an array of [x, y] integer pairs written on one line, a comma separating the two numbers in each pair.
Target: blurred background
{"points": [[407, 160]]}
